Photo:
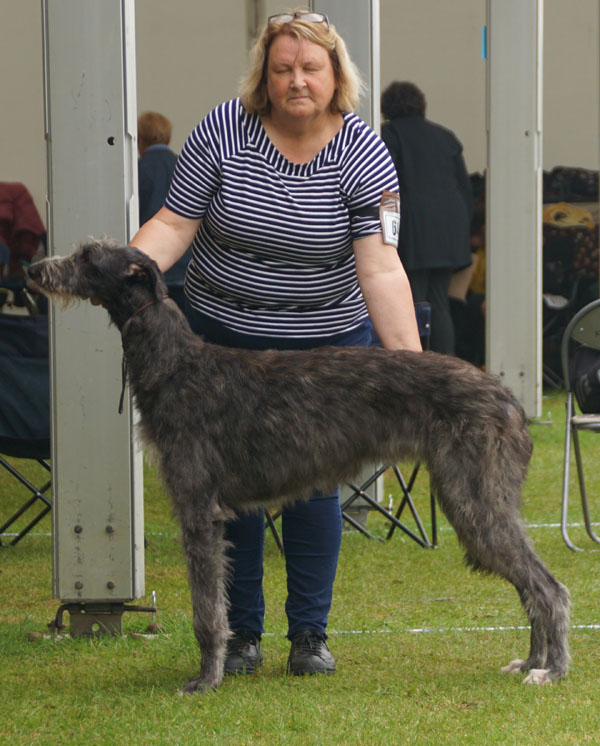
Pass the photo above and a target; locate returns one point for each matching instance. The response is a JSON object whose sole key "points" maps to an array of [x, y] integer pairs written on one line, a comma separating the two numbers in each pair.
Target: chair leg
{"points": [[273, 527], [422, 540], [582, 490], [433, 505], [30, 525], [359, 492], [358, 526], [406, 489], [37, 494], [407, 500], [566, 476]]}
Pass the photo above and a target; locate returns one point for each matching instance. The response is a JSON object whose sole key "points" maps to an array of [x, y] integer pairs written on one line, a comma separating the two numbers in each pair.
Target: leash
{"points": [[124, 361]]}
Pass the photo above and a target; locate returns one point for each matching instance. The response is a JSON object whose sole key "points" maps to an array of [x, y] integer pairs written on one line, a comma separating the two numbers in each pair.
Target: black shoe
{"points": [[309, 654], [243, 653]]}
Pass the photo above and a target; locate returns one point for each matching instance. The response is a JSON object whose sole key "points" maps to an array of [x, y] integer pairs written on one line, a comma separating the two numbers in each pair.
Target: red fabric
{"points": [[21, 227]]}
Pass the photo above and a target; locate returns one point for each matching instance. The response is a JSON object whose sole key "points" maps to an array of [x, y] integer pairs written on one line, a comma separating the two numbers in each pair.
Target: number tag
{"points": [[391, 228], [389, 215]]}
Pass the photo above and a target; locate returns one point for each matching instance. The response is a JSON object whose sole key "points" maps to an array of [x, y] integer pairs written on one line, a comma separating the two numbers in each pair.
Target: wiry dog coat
{"points": [[236, 429]]}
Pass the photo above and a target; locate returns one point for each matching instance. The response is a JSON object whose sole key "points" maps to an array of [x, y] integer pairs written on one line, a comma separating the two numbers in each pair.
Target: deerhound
{"points": [[236, 429]]}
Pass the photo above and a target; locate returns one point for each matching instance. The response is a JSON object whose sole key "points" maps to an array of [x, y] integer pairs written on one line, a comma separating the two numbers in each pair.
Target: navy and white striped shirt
{"points": [[273, 255]]}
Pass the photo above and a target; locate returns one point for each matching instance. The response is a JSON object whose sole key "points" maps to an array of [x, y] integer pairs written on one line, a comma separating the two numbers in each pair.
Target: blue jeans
{"points": [[311, 531]]}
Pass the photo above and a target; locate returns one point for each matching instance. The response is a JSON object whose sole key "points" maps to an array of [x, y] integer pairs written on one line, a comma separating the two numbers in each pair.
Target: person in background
{"points": [[155, 171], [22, 231], [435, 203], [279, 192]]}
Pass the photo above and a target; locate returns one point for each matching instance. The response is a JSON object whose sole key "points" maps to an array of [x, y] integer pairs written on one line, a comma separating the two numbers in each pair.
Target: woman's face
{"points": [[300, 78]]}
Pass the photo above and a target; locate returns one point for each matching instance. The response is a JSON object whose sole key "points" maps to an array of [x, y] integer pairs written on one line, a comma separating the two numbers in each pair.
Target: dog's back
{"points": [[235, 428]]}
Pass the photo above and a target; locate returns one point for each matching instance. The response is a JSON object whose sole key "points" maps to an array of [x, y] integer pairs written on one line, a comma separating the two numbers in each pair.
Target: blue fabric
{"points": [[155, 171], [213, 331], [311, 531], [312, 534], [4, 255], [24, 387]]}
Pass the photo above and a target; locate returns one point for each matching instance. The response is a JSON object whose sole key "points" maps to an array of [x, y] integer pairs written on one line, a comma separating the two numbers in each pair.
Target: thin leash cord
{"points": [[123, 383], [124, 361]]}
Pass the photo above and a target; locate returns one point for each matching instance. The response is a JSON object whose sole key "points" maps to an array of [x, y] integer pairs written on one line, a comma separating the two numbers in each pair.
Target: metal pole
{"points": [[514, 198], [90, 119]]}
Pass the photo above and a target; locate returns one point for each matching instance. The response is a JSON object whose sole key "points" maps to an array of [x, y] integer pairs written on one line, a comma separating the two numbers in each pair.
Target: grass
{"points": [[394, 685]]}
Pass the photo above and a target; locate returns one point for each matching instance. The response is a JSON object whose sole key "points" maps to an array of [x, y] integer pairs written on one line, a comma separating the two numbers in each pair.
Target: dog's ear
{"points": [[136, 270], [144, 271]]}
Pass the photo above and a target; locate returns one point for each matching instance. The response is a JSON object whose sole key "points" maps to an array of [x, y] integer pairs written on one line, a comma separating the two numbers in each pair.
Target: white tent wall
{"points": [[190, 56]]}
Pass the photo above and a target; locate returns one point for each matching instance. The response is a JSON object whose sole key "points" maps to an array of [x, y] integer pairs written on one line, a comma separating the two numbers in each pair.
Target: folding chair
{"points": [[359, 492], [25, 410], [582, 332]]}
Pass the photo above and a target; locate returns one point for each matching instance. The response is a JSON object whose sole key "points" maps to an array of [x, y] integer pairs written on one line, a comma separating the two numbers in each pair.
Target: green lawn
{"points": [[394, 685]]}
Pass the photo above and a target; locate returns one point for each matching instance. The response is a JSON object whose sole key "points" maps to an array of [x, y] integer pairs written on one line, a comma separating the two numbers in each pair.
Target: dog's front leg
{"points": [[204, 548]]}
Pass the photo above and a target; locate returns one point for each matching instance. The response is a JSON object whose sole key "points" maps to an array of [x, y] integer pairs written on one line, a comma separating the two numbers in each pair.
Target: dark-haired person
{"points": [[436, 203], [278, 190]]}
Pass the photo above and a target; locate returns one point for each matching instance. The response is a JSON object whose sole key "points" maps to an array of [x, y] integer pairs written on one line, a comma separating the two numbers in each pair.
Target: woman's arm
{"points": [[165, 237], [387, 293]]}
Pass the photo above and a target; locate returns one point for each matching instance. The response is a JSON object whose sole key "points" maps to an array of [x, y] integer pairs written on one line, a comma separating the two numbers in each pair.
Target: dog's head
{"points": [[120, 278]]}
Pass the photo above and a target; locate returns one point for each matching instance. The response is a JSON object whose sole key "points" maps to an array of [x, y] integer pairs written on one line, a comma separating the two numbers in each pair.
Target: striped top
{"points": [[273, 255]]}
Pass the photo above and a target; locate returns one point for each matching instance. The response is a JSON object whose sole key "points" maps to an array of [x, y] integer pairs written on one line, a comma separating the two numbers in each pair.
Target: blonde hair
{"points": [[153, 129], [253, 86]]}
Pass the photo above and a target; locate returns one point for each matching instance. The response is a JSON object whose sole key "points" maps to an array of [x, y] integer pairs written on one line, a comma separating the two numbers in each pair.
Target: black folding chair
{"points": [[582, 335], [25, 411], [360, 492]]}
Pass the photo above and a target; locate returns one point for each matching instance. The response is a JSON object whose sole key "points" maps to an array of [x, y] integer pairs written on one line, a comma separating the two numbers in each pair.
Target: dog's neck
{"points": [[123, 330], [140, 309]]}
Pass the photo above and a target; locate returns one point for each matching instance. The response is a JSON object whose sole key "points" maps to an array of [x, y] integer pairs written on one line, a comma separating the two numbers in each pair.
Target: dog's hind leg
{"points": [[546, 602], [537, 648], [487, 523], [505, 551], [204, 548]]}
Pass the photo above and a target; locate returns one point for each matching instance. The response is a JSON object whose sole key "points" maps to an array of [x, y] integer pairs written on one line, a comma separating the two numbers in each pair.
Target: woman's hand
{"points": [[166, 237]]}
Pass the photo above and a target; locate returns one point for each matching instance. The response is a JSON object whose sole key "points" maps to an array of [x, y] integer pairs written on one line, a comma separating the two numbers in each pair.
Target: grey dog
{"points": [[236, 429]]}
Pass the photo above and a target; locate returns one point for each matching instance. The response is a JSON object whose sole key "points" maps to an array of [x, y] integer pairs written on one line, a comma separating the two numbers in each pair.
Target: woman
{"points": [[436, 203], [277, 191]]}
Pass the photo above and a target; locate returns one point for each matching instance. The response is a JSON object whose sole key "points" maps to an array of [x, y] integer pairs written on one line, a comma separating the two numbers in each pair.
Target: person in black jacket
{"points": [[435, 203], [155, 171]]}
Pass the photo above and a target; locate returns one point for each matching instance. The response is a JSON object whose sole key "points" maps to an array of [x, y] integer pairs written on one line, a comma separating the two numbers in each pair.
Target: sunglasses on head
{"points": [[289, 17]]}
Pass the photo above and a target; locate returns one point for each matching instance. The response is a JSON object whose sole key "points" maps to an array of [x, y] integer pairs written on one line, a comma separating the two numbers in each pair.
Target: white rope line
{"points": [[339, 632], [557, 525], [507, 628], [537, 525], [174, 534], [440, 630]]}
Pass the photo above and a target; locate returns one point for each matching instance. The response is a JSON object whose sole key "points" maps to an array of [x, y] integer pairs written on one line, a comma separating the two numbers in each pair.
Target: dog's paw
{"points": [[516, 666], [197, 685], [538, 676]]}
